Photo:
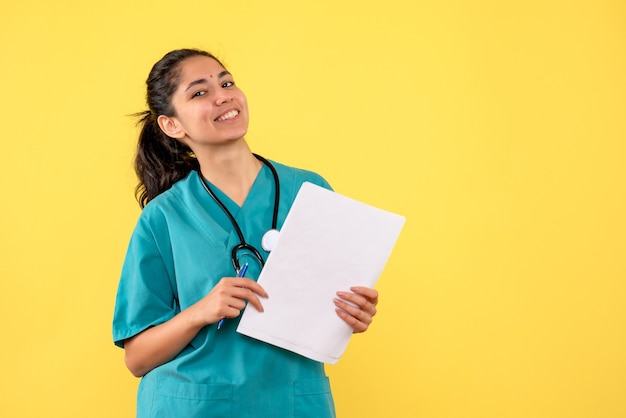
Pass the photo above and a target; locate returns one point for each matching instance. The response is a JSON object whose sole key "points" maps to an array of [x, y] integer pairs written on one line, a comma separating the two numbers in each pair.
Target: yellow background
{"points": [[496, 127]]}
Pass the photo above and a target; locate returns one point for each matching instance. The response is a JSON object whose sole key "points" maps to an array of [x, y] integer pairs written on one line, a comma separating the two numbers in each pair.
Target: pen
{"points": [[240, 273]]}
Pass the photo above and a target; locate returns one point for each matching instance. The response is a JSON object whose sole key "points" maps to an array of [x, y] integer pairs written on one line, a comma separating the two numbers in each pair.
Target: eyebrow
{"points": [[204, 80]]}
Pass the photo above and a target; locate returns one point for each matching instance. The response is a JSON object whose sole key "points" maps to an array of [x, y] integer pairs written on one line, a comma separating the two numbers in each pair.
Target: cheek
{"points": [[242, 99], [193, 117]]}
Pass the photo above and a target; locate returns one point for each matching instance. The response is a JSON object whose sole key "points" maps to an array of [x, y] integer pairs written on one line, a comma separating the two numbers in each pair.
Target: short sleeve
{"points": [[319, 181], [326, 184], [145, 295]]}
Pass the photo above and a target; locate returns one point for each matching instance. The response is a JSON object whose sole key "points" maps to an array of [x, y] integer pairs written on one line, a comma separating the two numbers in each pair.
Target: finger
{"points": [[254, 301], [231, 312], [236, 303], [233, 304], [232, 294], [247, 284], [361, 302], [367, 292], [360, 314], [247, 294], [356, 325]]}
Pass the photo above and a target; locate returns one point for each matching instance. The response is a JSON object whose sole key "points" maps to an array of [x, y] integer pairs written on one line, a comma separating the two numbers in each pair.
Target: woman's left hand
{"points": [[358, 307]]}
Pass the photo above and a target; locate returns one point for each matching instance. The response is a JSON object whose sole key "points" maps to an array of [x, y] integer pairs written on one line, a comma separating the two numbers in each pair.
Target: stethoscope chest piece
{"points": [[269, 240]]}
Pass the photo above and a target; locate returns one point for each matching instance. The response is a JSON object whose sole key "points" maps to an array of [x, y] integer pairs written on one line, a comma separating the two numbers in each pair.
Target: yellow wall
{"points": [[496, 127]]}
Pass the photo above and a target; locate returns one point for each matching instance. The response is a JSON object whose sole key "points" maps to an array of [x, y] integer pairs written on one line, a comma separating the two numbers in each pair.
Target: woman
{"points": [[203, 193]]}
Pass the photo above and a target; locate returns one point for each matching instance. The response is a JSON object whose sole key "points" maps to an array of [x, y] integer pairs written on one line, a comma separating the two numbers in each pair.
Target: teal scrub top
{"points": [[179, 250]]}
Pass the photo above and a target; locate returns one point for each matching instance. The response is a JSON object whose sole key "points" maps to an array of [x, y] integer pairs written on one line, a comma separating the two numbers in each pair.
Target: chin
{"points": [[238, 134]]}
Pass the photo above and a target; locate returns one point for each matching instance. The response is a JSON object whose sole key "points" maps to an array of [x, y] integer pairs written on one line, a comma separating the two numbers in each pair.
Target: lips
{"points": [[228, 115]]}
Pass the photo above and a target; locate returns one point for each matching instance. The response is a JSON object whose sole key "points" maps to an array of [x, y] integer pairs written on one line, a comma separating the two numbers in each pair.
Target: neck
{"points": [[231, 169]]}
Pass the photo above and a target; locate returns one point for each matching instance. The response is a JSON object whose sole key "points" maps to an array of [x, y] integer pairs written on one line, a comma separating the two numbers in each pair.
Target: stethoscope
{"points": [[269, 238]]}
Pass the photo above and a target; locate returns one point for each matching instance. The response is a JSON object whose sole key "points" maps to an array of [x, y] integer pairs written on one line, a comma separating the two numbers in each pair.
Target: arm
{"points": [[161, 343], [358, 307]]}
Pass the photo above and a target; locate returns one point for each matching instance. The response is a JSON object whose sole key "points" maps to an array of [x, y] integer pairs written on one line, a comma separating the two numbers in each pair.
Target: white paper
{"points": [[328, 243]]}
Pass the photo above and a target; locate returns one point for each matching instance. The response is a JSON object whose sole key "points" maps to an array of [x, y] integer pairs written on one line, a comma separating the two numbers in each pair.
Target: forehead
{"points": [[199, 67]]}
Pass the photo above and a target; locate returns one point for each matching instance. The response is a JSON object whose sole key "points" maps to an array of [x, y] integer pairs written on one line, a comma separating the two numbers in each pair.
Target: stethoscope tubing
{"points": [[243, 245]]}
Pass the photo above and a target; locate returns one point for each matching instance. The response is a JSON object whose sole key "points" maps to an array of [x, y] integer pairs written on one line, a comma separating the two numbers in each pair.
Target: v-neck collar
{"points": [[230, 204]]}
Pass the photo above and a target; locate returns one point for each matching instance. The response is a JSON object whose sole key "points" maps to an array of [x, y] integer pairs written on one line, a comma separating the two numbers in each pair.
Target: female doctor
{"points": [[208, 203]]}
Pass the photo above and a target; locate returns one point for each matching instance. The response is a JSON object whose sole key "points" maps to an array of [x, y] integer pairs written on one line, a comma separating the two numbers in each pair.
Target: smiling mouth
{"points": [[228, 115]]}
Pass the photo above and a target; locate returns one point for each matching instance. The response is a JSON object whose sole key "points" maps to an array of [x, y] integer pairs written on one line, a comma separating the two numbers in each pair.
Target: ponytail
{"points": [[160, 160]]}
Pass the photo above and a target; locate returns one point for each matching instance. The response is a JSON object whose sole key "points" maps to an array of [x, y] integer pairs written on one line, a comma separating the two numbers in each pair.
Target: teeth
{"points": [[228, 115]]}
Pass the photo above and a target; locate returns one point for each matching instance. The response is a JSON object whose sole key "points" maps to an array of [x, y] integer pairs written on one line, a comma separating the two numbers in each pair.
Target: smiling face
{"points": [[210, 110]]}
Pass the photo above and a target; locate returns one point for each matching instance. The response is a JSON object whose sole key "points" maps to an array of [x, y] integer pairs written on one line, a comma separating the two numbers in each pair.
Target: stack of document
{"points": [[328, 243]]}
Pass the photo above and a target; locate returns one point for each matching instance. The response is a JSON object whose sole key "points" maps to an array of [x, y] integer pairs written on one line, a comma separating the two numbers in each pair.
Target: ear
{"points": [[171, 127]]}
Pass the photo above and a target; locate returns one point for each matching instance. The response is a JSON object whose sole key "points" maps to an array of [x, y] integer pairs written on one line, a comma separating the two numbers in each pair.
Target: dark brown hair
{"points": [[161, 160]]}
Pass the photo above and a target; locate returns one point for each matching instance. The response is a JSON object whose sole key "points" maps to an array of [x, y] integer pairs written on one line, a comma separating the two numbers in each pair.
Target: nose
{"points": [[223, 97]]}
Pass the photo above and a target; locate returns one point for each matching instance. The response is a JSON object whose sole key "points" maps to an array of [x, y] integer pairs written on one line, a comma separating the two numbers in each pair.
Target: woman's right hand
{"points": [[227, 299], [159, 344]]}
